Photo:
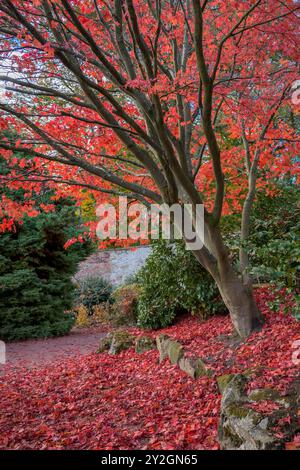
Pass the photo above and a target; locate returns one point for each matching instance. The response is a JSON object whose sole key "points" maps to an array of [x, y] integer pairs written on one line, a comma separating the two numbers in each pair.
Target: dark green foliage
{"points": [[91, 292], [172, 281], [36, 275], [275, 238], [274, 242]]}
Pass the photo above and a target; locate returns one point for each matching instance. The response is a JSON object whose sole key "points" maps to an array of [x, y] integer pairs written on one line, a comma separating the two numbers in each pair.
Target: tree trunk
{"points": [[237, 296], [239, 300], [245, 225]]}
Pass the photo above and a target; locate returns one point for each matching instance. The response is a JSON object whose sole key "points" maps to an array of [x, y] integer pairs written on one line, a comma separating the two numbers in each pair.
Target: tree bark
{"points": [[239, 300], [237, 296]]}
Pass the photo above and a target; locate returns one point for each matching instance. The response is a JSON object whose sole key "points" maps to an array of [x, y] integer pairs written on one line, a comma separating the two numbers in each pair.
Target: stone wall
{"points": [[113, 265]]}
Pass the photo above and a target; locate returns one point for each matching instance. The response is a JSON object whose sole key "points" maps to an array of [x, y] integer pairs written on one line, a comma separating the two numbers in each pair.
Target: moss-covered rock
{"points": [[144, 343], [264, 394], [237, 410], [194, 367], [223, 381], [243, 428], [162, 343], [231, 436], [104, 343], [175, 351], [234, 390], [120, 341]]}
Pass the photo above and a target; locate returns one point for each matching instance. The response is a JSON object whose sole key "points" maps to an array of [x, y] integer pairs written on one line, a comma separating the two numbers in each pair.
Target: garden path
{"points": [[40, 352]]}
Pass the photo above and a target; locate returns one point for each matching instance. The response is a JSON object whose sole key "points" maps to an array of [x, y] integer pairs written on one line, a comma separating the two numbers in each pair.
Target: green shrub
{"points": [[274, 243], [172, 281], [36, 272], [287, 300], [91, 292]]}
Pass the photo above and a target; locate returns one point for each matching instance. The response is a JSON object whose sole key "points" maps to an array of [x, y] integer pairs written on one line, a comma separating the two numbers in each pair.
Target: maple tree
{"points": [[161, 101]]}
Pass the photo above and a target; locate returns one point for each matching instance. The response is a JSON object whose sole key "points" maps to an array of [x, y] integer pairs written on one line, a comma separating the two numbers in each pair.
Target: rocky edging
{"points": [[173, 350], [121, 339], [241, 425]]}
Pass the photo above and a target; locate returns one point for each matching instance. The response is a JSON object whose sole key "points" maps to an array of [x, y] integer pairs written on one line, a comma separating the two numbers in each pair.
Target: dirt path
{"points": [[40, 352]]}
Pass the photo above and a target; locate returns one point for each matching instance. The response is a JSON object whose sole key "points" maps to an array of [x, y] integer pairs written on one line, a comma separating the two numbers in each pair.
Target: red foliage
{"points": [[61, 139], [132, 402]]}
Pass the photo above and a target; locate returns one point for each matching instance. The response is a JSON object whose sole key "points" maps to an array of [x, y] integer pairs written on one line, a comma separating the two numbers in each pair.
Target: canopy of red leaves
{"points": [[251, 52], [132, 402]]}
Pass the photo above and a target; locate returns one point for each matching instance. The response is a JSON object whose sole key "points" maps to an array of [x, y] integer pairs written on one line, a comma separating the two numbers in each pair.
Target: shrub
{"points": [[274, 244], [82, 316], [99, 316], [124, 308], [36, 272], [91, 292], [286, 300], [172, 281]]}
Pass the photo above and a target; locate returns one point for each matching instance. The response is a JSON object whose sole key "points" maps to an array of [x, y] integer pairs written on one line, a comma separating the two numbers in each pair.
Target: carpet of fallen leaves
{"points": [[130, 401]]}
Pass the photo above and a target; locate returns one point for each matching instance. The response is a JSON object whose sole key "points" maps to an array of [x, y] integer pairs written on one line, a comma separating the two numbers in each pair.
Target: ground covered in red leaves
{"points": [[130, 401]]}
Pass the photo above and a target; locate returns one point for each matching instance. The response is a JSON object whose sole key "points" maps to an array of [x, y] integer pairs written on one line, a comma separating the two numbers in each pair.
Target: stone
{"points": [[243, 428], [264, 394], [223, 381], [144, 343], [194, 367], [116, 342], [188, 365], [175, 351], [162, 343], [121, 340], [169, 348], [234, 390], [104, 343]]}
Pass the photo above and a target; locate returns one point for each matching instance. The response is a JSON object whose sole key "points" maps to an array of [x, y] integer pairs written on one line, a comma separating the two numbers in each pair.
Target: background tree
{"points": [[36, 272], [132, 97]]}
